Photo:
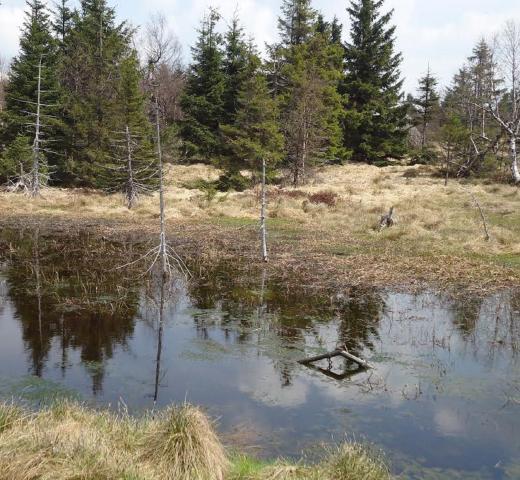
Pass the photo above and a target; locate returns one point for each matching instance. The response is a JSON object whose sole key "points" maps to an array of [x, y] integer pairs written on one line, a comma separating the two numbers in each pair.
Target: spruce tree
{"points": [[255, 134], [36, 44], [235, 68], [63, 21], [131, 168], [203, 102], [296, 24], [375, 123], [426, 104], [310, 72], [96, 47]]}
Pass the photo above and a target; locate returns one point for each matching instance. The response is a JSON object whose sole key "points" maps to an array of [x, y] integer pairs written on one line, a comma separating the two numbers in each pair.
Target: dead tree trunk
{"points": [[35, 184], [162, 245], [131, 190], [387, 221], [263, 226]]}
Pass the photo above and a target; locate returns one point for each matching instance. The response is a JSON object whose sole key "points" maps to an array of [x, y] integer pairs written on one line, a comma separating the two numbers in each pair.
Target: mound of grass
{"points": [[348, 462], [68, 441], [181, 442]]}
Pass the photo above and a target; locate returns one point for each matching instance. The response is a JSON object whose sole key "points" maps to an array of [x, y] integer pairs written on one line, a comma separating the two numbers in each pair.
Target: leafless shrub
{"points": [[326, 197]]}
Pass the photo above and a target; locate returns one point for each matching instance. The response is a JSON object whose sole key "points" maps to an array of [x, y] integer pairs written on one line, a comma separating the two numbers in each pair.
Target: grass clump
{"points": [[349, 461], [184, 446]]}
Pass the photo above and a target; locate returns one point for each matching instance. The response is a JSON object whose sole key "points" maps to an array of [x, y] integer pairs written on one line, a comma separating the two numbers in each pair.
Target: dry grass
{"points": [[68, 441], [438, 238], [182, 443]]}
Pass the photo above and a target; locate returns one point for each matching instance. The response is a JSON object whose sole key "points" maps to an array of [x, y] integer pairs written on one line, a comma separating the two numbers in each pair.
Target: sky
{"points": [[440, 33]]}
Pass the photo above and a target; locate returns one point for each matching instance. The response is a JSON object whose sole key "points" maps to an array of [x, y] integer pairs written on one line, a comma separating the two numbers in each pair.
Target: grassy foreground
{"points": [[325, 230], [68, 441]]}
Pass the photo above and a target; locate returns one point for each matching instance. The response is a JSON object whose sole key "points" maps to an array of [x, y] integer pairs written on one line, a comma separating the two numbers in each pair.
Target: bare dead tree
{"points": [[131, 191], [35, 187], [159, 42], [164, 51], [37, 178], [263, 225], [485, 227], [161, 45], [505, 106], [132, 176]]}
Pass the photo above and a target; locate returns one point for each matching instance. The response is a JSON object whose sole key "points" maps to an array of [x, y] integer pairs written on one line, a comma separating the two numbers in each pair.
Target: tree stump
{"points": [[387, 220]]}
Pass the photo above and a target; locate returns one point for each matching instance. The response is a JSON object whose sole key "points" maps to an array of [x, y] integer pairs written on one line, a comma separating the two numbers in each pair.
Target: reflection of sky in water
{"points": [[438, 395]]}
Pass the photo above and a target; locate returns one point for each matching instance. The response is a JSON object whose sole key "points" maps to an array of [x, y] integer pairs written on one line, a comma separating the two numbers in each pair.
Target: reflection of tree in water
{"points": [[161, 295], [359, 316], [288, 314], [489, 324], [466, 314], [66, 289]]}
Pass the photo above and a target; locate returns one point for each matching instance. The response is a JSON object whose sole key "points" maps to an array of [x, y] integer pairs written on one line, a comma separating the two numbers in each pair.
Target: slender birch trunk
{"points": [[263, 226], [35, 187]]}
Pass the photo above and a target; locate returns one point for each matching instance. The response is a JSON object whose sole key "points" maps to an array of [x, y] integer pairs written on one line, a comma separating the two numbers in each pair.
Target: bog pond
{"points": [[442, 402]]}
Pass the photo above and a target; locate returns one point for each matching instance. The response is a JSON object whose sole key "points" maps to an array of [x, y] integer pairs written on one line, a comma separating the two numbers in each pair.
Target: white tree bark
{"points": [[35, 186], [131, 190], [263, 226], [162, 245], [514, 159]]}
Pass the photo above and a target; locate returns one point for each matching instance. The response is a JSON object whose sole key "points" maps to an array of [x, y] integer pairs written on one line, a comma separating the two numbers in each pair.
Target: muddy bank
{"points": [[315, 261]]}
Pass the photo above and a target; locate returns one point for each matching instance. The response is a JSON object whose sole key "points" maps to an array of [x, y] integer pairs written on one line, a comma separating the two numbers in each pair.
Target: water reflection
{"points": [[445, 393], [68, 292]]}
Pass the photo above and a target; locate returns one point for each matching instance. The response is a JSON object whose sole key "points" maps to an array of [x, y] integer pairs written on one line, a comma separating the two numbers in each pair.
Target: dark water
{"points": [[443, 400]]}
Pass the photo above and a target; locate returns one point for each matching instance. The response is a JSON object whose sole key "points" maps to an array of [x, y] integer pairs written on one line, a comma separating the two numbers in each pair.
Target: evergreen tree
{"points": [[426, 104], [254, 134], [310, 69], [203, 101], [474, 86], [235, 68], [131, 138], [63, 21], [36, 44], [296, 24], [336, 31], [375, 123], [97, 46], [16, 159], [312, 108], [486, 85]]}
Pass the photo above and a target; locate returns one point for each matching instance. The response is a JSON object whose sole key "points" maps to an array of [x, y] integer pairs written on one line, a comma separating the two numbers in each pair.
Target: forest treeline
{"points": [[79, 99]]}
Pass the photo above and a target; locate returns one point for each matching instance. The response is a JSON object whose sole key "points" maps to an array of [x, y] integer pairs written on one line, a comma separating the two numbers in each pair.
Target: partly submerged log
{"points": [[340, 352]]}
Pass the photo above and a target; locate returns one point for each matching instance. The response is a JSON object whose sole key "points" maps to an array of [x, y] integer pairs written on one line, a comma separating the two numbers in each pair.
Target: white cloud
{"points": [[11, 19]]}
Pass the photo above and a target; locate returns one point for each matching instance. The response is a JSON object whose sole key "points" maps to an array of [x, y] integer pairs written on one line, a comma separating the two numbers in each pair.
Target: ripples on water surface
{"points": [[443, 401]]}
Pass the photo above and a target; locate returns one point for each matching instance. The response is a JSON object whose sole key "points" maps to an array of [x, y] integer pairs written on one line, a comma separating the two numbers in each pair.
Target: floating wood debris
{"points": [[339, 352]]}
